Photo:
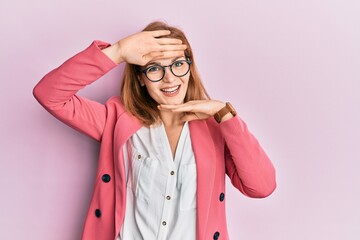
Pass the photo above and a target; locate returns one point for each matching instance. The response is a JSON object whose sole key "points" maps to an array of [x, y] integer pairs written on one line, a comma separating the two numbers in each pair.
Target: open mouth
{"points": [[170, 90]]}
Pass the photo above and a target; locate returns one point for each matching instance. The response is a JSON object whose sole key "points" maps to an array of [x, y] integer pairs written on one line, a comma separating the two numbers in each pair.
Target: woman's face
{"points": [[171, 89]]}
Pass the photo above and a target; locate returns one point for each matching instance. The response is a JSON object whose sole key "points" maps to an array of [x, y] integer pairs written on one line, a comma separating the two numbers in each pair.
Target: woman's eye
{"points": [[153, 69], [178, 64]]}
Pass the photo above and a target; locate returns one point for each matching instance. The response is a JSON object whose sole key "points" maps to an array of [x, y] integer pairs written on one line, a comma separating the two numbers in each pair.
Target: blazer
{"points": [[222, 149]]}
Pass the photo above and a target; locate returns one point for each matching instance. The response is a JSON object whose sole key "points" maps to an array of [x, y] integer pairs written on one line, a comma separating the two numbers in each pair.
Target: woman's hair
{"points": [[136, 98]]}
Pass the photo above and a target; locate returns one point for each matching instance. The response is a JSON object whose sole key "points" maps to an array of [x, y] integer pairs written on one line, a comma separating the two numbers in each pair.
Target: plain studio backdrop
{"points": [[291, 68]]}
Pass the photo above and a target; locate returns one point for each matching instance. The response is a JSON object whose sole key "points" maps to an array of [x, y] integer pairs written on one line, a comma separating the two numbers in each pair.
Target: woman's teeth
{"points": [[170, 90]]}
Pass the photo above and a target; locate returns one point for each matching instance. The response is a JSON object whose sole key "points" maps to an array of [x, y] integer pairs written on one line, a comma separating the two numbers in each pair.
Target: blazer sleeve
{"points": [[56, 91], [246, 163]]}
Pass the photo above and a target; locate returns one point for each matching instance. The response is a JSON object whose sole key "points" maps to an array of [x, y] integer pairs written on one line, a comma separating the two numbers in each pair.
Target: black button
{"points": [[168, 197], [97, 213], [221, 197], [106, 178], [164, 223], [216, 235], [172, 172]]}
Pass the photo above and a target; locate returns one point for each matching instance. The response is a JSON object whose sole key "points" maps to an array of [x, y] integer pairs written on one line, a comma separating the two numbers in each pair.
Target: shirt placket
{"points": [[170, 187]]}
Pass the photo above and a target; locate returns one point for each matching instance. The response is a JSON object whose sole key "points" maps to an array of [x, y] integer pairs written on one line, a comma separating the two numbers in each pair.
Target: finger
{"points": [[165, 41], [169, 106], [175, 106], [171, 54], [177, 49], [169, 47], [185, 108], [151, 56], [159, 33], [155, 54]]}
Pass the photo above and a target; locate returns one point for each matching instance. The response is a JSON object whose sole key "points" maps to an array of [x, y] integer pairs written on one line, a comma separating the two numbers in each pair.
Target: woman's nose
{"points": [[169, 76]]}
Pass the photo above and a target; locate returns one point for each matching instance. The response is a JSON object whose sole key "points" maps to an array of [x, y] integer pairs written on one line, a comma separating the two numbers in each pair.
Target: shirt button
{"points": [[139, 156], [172, 172], [164, 223], [168, 197]]}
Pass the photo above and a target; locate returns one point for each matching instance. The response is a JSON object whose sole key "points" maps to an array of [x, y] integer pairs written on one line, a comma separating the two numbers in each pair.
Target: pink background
{"points": [[290, 67]]}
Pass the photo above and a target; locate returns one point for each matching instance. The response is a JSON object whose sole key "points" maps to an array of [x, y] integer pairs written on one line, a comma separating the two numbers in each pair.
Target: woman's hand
{"points": [[140, 48], [196, 109]]}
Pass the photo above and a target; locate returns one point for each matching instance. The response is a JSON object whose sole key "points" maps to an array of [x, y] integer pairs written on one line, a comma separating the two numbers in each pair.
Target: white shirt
{"points": [[161, 191]]}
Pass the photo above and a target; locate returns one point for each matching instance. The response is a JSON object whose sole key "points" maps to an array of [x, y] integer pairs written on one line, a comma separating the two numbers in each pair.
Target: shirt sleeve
{"points": [[247, 164], [56, 91]]}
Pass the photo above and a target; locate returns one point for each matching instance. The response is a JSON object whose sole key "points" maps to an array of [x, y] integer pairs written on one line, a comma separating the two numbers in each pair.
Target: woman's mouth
{"points": [[171, 91]]}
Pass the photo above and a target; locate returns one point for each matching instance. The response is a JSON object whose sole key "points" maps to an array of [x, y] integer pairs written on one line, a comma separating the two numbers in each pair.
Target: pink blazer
{"points": [[227, 148]]}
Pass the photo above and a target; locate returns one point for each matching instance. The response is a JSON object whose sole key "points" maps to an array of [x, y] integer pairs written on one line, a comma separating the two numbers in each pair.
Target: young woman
{"points": [[165, 145]]}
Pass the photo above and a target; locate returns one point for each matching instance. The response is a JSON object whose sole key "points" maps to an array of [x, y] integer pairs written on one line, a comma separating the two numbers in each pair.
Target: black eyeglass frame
{"points": [[188, 60]]}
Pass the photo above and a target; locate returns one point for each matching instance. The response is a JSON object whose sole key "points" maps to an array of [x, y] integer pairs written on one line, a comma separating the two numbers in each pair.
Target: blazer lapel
{"points": [[125, 127], [205, 163]]}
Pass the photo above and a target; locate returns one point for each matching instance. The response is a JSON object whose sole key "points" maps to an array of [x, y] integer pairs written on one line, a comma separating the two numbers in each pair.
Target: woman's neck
{"points": [[171, 119]]}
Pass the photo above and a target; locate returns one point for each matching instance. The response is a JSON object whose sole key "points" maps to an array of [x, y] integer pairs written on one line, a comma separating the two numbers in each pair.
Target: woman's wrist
{"points": [[113, 52], [225, 113], [227, 117]]}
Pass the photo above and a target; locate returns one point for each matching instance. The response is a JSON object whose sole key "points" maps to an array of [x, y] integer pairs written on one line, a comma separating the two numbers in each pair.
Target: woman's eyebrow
{"points": [[177, 58], [151, 63]]}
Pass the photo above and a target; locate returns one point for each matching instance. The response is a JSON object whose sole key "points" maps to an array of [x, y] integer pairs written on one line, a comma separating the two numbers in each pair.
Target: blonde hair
{"points": [[137, 100]]}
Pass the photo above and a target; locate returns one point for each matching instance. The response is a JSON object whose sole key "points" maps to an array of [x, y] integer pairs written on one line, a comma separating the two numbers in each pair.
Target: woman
{"points": [[165, 145]]}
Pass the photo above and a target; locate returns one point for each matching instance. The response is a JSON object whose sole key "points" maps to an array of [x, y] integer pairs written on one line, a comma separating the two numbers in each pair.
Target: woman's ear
{"points": [[141, 81]]}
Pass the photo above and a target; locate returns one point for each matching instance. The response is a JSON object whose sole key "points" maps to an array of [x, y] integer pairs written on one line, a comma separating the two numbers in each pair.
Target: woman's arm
{"points": [[56, 91], [247, 164]]}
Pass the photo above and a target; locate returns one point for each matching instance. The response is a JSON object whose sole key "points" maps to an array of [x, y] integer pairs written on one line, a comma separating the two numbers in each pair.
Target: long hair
{"points": [[136, 98]]}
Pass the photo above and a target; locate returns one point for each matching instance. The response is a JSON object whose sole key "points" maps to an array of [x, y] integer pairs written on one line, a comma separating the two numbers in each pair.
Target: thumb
{"points": [[189, 117]]}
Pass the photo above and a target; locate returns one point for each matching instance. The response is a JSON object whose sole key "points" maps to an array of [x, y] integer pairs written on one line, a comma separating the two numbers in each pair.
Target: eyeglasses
{"points": [[156, 72]]}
